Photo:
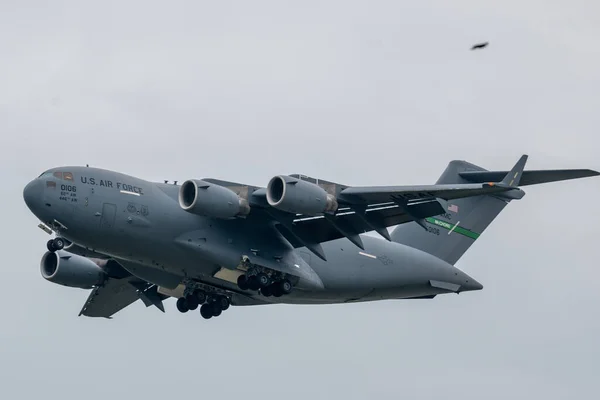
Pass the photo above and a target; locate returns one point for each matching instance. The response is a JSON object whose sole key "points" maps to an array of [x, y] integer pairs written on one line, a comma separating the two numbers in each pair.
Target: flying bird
{"points": [[479, 45]]}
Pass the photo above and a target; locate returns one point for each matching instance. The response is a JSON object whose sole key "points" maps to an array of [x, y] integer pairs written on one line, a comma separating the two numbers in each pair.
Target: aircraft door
{"points": [[109, 212]]}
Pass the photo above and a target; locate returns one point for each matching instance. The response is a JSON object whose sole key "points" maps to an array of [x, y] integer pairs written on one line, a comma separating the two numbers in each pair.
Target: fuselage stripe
{"points": [[454, 228]]}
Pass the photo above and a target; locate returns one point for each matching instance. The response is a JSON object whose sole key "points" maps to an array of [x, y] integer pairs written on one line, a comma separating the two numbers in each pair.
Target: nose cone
{"points": [[32, 194]]}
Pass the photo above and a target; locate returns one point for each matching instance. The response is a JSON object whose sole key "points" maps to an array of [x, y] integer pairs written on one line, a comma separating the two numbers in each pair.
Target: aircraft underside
{"points": [[213, 244]]}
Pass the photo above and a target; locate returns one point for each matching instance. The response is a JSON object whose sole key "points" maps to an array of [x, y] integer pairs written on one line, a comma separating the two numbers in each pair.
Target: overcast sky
{"points": [[359, 92]]}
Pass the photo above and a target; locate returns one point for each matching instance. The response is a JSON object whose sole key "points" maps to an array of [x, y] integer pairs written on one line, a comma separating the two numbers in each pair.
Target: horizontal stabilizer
{"points": [[533, 177]]}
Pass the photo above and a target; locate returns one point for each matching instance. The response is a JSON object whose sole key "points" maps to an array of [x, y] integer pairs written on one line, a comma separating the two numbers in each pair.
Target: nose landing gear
{"points": [[55, 244]]}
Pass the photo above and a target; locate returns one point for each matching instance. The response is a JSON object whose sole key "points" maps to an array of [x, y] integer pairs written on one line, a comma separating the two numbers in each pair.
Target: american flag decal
{"points": [[453, 208]]}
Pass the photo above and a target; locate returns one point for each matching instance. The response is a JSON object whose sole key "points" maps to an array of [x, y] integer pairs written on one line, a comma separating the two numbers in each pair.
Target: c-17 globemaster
{"points": [[299, 240]]}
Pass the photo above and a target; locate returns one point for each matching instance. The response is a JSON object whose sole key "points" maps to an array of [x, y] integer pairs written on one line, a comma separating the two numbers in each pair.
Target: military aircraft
{"points": [[212, 244]]}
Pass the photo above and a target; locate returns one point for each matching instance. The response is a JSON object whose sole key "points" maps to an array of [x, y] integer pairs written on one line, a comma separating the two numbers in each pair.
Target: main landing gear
{"points": [[55, 244], [210, 305], [267, 285]]}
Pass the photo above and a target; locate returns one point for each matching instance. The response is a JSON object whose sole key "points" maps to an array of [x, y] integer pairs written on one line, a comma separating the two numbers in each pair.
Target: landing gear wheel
{"points": [[266, 291], [59, 243], [192, 302], [216, 309], [285, 286], [201, 297], [182, 305], [276, 290], [206, 311], [253, 283], [222, 302], [242, 282], [55, 244], [262, 280]]}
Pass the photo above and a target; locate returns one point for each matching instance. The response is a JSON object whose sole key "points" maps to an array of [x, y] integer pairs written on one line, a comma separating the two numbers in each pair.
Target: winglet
{"points": [[513, 178]]}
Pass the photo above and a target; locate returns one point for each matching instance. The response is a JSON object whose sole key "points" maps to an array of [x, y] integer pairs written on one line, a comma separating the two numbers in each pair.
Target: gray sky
{"points": [[377, 92]]}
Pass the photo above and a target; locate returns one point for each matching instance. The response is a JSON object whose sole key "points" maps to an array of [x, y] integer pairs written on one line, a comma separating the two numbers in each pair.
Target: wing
{"points": [[372, 209], [364, 209], [381, 194], [117, 293]]}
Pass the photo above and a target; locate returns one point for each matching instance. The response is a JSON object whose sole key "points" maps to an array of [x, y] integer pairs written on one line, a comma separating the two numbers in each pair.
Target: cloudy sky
{"points": [[360, 92]]}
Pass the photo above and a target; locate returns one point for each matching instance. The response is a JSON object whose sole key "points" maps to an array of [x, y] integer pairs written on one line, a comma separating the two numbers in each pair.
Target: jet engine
{"points": [[210, 200], [299, 197], [71, 270]]}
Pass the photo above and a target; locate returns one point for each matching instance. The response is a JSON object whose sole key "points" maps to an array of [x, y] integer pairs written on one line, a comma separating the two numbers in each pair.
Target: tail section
{"points": [[450, 235]]}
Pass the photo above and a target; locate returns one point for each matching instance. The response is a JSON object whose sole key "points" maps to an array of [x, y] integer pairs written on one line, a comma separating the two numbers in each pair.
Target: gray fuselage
{"points": [[143, 224]]}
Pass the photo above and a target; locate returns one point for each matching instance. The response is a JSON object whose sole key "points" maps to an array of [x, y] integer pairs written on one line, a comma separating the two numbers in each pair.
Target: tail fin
{"points": [[450, 235]]}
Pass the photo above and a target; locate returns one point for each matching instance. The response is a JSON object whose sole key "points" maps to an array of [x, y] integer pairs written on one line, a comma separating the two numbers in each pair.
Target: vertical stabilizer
{"points": [[450, 235]]}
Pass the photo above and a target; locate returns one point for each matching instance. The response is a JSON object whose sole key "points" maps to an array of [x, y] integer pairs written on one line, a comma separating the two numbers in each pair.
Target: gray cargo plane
{"points": [[299, 240]]}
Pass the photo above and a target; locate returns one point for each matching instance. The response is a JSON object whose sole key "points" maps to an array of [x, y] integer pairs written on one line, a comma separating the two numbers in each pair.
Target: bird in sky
{"points": [[479, 45]]}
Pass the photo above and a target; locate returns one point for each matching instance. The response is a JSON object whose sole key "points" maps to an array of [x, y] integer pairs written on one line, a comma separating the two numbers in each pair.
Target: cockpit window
{"points": [[46, 174], [67, 176]]}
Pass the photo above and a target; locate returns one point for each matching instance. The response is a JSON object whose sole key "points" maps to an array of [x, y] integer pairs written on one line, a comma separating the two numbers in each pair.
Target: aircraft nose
{"points": [[32, 194]]}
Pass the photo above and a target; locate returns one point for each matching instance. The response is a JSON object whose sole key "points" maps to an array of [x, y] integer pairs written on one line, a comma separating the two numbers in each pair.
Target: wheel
{"points": [[216, 309], [262, 279], [223, 302], [201, 296], [182, 305], [285, 286], [266, 291], [206, 311], [276, 290], [242, 282], [192, 302], [59, 243], [50, 246], [253, 283]]}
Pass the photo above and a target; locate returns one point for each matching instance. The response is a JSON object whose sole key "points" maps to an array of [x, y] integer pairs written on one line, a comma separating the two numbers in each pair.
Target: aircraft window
{"points": [[46, 174], [58, 175], [68, 176]]}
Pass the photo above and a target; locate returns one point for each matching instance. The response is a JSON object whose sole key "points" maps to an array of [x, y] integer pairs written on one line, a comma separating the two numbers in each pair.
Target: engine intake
{"points": [[210, 200], [299, 197], [71, 270]]}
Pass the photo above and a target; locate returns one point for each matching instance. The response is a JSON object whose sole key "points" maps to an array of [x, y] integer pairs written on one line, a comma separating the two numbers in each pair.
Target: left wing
{"points": [[116, 293], [372, 209], [342, 211]]}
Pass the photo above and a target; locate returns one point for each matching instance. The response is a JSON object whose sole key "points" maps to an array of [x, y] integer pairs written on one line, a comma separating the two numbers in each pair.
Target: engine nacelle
{"points": [[71, 270], [299, 197], [210, 200]]}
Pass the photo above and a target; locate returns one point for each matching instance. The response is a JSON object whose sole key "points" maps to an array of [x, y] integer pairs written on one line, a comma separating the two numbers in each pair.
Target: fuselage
{"points": [[142, 222]]}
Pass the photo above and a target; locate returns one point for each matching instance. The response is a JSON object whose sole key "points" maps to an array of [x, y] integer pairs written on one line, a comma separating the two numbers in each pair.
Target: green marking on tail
{"points": [[448, 226]]}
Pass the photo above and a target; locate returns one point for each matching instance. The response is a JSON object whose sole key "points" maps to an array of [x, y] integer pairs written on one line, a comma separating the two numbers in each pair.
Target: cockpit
{"points": [[66, 176]]}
